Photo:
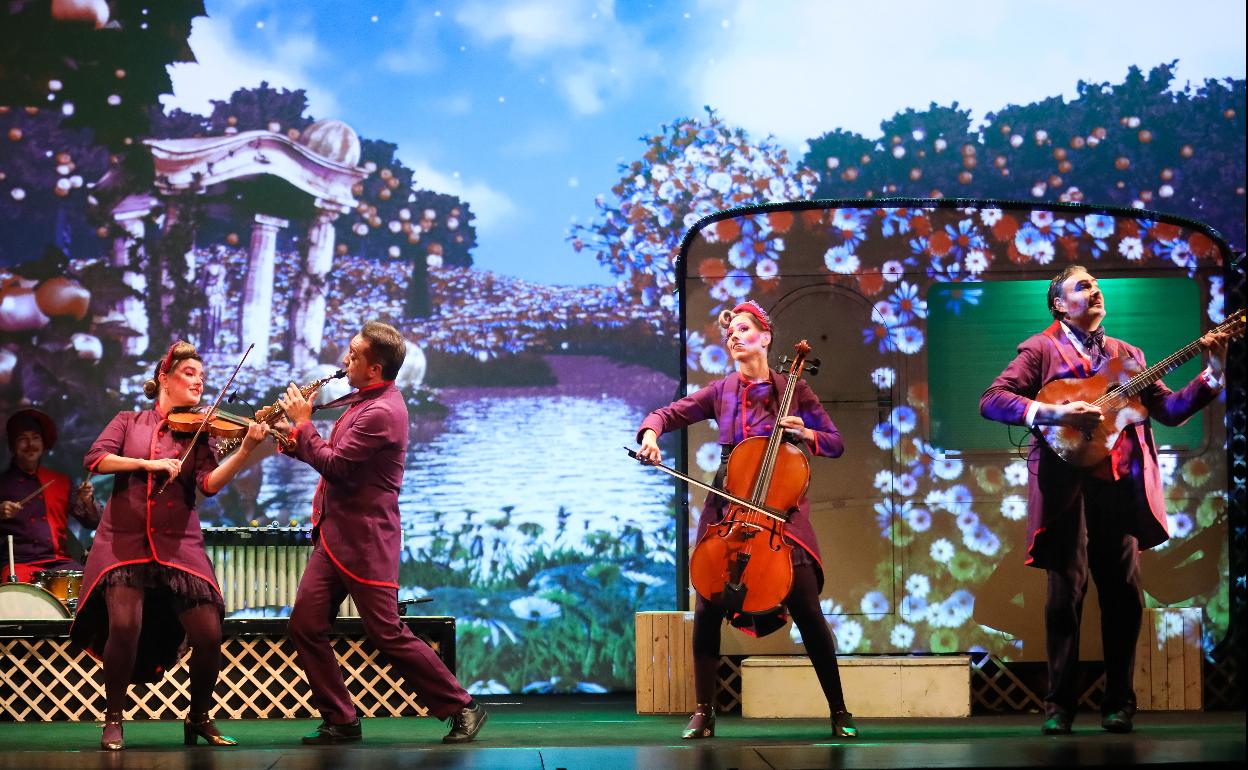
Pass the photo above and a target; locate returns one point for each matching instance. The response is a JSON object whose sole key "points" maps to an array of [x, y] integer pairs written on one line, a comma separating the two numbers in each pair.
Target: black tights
{"points": [[202, 624], [803, 605]]}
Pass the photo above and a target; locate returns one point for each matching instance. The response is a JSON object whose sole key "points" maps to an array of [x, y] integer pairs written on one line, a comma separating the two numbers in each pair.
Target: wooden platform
{"points": [[875, 686]]}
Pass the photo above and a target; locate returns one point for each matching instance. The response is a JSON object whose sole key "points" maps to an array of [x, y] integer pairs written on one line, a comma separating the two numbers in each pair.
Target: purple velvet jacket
{"points": [[1049, 356], [742, 411], [355, 511], [140, 525]]}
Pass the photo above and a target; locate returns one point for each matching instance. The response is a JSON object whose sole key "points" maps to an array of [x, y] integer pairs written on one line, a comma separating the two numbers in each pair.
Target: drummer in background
{"points": [[40, 526]]}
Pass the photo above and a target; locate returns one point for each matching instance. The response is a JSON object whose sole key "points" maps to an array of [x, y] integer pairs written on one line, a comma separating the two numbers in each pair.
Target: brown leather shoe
{"points": [[701, 724]]}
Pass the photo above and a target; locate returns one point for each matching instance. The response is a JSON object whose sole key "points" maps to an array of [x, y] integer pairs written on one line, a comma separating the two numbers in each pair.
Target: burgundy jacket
{"points": [[1049, 356], [355, 511], [140, 525], [741, 413]]}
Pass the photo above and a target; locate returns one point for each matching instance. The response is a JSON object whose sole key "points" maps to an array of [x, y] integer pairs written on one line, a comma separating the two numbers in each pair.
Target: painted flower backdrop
{"points": [[952, 516], [690, 169]]}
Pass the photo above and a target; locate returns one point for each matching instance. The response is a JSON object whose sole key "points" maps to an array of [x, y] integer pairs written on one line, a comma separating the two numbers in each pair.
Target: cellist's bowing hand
{"points": [[649, 453], [796, 428]]}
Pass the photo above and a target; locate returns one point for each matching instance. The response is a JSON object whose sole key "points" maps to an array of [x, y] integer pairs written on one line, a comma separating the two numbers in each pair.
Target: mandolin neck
{"points": [[1171, 362]]}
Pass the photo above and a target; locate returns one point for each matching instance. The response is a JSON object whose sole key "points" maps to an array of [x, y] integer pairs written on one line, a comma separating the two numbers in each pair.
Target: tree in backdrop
{"points": [[77, 81], [1140, 143], [394, 220], [689, 169]]}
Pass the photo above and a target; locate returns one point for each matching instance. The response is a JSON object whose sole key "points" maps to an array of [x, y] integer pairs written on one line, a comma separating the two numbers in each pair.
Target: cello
{"points": [[743, 563]]}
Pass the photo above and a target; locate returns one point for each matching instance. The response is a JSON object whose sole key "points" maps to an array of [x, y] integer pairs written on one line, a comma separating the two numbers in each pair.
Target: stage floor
{"points": [[545, 733]]}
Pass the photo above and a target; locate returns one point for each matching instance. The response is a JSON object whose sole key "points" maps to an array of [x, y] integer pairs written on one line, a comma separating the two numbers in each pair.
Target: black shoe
{"points": [[1118, 721], [465, 724], [327, 733], [1058, 723], [843, 725]]}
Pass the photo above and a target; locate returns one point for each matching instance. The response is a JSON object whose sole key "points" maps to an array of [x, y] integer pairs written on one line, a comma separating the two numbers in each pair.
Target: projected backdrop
{"points": [[921, 520], [133, 211]]}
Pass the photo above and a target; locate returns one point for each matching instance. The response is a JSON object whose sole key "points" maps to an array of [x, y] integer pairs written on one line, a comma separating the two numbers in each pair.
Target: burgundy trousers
{"points": [[321, 591]]}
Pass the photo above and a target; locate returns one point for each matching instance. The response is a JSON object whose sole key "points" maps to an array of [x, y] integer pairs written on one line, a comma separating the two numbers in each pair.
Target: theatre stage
{"points": [[603, 733]]}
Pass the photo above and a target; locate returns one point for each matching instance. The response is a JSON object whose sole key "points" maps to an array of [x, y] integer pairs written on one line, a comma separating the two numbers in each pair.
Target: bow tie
{"points": [[1093, 341]]}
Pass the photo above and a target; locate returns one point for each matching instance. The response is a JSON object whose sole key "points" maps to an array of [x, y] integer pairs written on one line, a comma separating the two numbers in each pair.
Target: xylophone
{"points": [[258, 568]]}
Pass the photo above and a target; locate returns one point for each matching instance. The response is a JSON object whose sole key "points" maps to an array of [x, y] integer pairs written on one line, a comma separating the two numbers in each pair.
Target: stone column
{"points": [[307, 320], [173, 213], [257, 316], [131, 308]]}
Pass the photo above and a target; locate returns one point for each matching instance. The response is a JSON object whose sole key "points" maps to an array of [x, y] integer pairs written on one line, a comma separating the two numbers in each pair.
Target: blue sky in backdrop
{"points": [[524, 108]]}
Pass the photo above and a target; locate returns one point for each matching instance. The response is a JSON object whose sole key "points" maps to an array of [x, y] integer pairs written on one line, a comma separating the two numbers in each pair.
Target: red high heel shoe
{"points": [[197, 726], [113, 737], [701, 724]]}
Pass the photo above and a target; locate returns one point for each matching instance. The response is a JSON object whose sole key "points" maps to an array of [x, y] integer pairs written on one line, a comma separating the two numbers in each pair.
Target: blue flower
{"points": [[1098, 226], [885, 435], [894, 222], [960, 294], [879, 334], [906, 304], [965, 236], [874, 605], [908, 339]]}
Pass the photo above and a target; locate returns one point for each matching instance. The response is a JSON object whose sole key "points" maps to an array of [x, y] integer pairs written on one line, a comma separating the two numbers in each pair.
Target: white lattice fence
{"points": [[43, 677]]}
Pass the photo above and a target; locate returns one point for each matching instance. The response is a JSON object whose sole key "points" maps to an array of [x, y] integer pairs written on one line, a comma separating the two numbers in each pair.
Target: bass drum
{"points": [[26, 601]]}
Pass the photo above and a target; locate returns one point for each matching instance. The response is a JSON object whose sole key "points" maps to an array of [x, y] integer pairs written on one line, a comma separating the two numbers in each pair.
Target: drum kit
{"points": [[53, 595]]}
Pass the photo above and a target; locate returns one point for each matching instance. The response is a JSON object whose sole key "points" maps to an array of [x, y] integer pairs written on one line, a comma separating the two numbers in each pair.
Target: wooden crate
{"points": [[1168, 673], [785, 686], [665, 663]]}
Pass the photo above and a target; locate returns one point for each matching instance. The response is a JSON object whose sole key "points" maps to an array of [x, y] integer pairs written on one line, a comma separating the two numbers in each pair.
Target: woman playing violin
{"points": [[744, 404], [149, 585]]}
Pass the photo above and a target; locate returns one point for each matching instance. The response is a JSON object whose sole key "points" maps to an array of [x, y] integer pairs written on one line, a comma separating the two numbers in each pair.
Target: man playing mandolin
{"points": [[1095, 509]]}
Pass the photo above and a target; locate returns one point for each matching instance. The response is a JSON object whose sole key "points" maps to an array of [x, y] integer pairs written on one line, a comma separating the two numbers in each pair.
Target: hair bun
{"points": [[150, 388]]}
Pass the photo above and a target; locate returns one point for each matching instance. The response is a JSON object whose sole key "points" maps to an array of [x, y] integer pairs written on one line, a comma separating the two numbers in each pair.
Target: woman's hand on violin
{"points": [[298, 409], [795, 427], [256, 433], [649, 452], [170, 466]]}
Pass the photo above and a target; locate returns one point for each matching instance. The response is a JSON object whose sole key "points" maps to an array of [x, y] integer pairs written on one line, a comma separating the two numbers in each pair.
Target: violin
{"points": [[221, 425]]}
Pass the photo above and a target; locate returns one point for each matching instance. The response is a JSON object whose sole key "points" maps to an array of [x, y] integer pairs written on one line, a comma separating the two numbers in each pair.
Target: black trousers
{"points": [[1092, 538], [803, 606]]}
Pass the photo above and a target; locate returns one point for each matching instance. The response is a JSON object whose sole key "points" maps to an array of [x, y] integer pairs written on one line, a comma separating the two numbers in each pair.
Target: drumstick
{"points": [[32, 495], [12, 569]]}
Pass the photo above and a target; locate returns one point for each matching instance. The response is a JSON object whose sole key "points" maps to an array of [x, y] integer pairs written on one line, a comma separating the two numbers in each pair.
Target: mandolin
{"points": [[1116, 389]]}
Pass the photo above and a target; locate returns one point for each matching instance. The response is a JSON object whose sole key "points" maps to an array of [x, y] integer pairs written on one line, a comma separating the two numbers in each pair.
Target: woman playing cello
{"points": [[744, 404], [149, 585]]}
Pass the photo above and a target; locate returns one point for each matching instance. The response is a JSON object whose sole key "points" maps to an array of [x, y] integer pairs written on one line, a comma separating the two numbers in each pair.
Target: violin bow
{"points": [[208, 414]]}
